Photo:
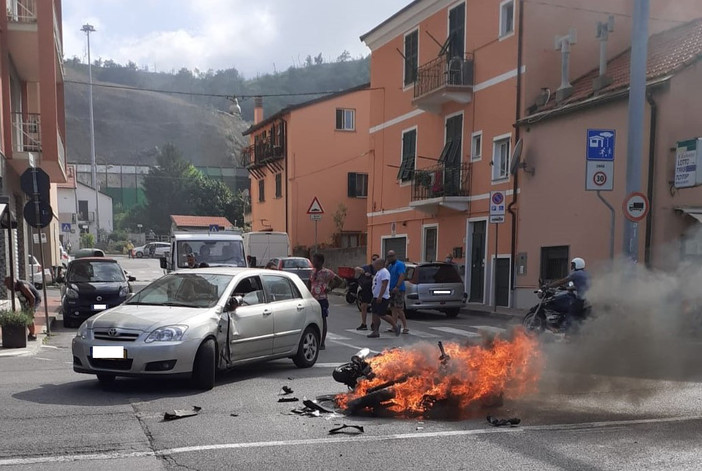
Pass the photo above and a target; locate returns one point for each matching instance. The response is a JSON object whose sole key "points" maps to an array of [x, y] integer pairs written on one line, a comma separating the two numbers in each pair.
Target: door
{"points": [[430, 244], [477, 262], [452, 164], [398, 244], [502, 282], [288, 309], [251, 323]]}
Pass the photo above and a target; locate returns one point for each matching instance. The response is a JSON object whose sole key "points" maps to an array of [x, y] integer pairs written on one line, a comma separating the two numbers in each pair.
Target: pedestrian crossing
{"points": [[474, 331]]}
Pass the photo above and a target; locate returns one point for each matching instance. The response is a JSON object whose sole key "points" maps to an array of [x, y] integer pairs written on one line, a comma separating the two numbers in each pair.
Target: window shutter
{"points": [[339, 119], [352, 185]]}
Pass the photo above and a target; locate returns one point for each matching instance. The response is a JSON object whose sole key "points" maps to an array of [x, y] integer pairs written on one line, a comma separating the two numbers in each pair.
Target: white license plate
{"points": [[109, 352], [99, 307], [441, 291]]}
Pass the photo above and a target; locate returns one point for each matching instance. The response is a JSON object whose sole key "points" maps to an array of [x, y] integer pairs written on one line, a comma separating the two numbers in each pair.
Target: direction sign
{"points": [[27, 183], [45, 214], [600, 144], [65, 227], [214, 227], [497, 207], [599, 175], [315, 207], [636, 207]]}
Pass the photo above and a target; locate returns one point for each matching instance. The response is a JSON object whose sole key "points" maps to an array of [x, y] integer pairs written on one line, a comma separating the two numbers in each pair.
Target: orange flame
{"points": [[508, 368]]}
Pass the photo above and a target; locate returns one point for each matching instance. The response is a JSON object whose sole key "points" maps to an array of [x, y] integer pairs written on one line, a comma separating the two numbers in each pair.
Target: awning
{"points": [[692, 212]]}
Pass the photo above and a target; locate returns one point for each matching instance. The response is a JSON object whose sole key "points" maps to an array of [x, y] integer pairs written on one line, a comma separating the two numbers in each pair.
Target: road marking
{"points": [[451, 330], [49, 346], [422, 335], [575, 427], [490, 329], [326, 365], [350, 345], [336, 337], [45, 359]]}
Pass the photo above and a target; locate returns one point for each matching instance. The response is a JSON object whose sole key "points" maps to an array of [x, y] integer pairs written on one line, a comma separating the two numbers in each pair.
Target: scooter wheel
{"points": [[350, 298]]}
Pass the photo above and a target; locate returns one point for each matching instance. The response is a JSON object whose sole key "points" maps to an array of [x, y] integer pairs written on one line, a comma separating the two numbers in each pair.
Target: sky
{"points": [[254, 36]]}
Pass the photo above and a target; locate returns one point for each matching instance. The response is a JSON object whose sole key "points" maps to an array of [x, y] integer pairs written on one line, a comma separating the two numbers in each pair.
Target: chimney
{"points": [[603, 30], [258, 109], [563, 44]]}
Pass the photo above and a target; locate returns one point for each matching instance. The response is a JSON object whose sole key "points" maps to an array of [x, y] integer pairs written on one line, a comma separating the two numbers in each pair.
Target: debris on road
{"points": [[503, 422], [179, 414], [314, 406], [234, 415], [288, 399], [348, 429], [285, 390]]}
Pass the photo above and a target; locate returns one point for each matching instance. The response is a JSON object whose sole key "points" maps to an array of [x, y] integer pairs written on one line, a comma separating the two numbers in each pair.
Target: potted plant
{"points": [[14, 328]]}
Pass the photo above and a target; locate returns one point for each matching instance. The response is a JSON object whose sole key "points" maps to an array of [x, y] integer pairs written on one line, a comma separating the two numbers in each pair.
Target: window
{"points": [[261, 191], [278, 185], [476, 146], [279, 288], [409, 150], [83, 209], [506, 18], [345, 120], [457, 31], [500, 157], [411, 57], [554, 263], [251, 291], [358, 185]]}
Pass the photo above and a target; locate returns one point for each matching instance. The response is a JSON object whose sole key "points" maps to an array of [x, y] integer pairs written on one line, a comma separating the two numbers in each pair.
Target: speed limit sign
{"points": [[599, 176]]}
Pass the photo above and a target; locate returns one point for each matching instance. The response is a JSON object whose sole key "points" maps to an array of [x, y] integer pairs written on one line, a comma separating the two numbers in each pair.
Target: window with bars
{"points": [[345, 119], [411, 57], [357, 185], [409, 151], [279, 185], [554, 263]]}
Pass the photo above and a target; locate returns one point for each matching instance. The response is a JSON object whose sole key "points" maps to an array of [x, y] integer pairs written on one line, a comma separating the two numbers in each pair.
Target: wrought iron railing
{"points": [[26, 136], [268, 147], [440, 181], [442, 72], [22, 11]]}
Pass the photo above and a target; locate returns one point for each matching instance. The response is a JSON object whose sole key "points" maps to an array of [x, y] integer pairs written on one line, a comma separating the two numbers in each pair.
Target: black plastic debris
{"points": [[285, 390], [347, 429], [288, 399], [503, 422], [179, 414], [314, 406], [234, 415]]}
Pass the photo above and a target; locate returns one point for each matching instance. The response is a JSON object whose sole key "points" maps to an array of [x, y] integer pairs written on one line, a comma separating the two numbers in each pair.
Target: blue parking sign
{"points": [[600, 144]]}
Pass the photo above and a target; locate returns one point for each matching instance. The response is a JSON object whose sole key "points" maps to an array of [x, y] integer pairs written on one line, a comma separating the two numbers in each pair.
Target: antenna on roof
{"points": [[563, 44], [603, 30]]}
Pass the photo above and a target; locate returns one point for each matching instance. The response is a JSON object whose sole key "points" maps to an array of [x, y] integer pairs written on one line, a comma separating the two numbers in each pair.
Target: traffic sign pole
{"points": [[37, 212]]}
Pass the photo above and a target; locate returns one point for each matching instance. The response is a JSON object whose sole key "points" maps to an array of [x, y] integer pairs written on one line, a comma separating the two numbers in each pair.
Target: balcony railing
{"points": [[444, 72], [26, 132], [22, 11], [268, 147], [440, 181]]}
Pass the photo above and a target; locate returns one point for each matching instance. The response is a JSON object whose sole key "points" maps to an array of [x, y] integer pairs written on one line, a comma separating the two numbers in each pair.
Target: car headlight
{"points": [[123, 291], [83, 331], [172, 333], [71, 293]]}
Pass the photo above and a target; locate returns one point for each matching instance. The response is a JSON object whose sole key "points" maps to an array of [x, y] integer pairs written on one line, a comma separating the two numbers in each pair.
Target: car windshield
{"points": [[212, 252], [439, 274], [296, 263], [92, 271], [199, 290]]}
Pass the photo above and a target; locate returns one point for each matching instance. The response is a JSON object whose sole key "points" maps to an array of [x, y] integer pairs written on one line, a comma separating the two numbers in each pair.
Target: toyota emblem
{"points": [[99, 298], [112, 332]]}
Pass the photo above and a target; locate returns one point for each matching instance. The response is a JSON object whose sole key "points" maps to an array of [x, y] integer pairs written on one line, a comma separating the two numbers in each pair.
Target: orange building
{"points": [[32, 125], [449, 80], [317, 149]]}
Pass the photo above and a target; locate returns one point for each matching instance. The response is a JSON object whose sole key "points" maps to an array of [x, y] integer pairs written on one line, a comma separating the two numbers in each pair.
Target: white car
{"points": [[160, 249], [194, 322], [34, 272]]}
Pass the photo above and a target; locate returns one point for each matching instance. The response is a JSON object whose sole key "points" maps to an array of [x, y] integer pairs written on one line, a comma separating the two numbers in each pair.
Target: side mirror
{"points": [[131, 278], [233, 302], [163, 262]]}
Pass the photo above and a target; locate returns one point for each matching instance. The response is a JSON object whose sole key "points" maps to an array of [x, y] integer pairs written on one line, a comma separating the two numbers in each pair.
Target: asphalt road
{"points": [[603, 416]]}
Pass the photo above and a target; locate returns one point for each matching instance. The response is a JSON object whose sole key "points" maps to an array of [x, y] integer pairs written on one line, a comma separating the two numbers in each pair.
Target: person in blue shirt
{"points": [[397, 271], [581, 283]]}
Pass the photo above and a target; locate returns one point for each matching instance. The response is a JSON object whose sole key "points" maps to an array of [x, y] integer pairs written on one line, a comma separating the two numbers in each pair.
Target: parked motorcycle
{"points": [[550, 313]]}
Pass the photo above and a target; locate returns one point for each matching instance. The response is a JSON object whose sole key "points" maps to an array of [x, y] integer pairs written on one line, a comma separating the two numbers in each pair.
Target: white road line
{"points": [[49, 346], [350, 345], [490, 329], [326, 365], [422, 335], [323, 441], [336, 337], [451, 330], [45, 359]]}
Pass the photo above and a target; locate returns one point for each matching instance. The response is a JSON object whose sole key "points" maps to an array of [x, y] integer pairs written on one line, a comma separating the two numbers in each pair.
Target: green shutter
{"points": [[352, 185]]}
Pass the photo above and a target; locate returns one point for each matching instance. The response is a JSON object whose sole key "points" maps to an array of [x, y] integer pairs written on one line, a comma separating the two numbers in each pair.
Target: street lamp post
{"points": [[87, 29]]}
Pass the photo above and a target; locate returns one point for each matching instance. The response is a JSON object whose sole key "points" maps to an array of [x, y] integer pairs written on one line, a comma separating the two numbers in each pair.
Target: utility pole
{"points": [[637, 100], [87, 29]]}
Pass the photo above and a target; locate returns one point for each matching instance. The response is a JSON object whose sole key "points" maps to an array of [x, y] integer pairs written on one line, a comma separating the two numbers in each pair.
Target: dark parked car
{"points": [[92, 285], [301, 266], [435, 286], [82, 253]]}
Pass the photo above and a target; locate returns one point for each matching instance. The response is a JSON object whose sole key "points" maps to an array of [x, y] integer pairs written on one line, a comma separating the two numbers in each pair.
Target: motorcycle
{"points": [[550, 313], [352, 291]]}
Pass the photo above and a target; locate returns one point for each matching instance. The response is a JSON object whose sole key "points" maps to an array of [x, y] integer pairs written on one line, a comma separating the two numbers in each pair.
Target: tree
{"points": [[346, 55], [318, 60]]}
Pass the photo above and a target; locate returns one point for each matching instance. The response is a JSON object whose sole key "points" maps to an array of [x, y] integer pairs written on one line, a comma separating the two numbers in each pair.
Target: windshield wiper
{"points": [[178, 304]]}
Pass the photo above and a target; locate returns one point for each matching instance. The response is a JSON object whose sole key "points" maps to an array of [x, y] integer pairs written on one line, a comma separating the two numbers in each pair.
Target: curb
{"points": [[32, 347]]}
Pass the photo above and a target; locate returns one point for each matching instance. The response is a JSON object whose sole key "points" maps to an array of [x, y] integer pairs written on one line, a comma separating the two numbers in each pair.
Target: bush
{"points": [[87, 241], [117, 236], [118, 247], [15, 318]]}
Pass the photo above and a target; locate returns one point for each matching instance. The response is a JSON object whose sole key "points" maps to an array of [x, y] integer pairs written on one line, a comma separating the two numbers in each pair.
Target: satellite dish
{"points": [[516, 158]]}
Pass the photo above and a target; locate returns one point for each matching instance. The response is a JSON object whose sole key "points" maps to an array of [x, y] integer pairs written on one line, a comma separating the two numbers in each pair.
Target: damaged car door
{"points": [[250, 330], [288, 308]]}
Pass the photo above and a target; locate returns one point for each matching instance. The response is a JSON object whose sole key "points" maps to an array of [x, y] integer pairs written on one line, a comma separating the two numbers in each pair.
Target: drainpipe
{"points": [[287, 176], [651, 168], [517, 134]]}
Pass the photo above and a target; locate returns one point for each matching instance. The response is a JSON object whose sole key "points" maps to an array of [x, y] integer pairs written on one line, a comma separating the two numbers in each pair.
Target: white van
{"points": [[214, 248], [261, 247]]}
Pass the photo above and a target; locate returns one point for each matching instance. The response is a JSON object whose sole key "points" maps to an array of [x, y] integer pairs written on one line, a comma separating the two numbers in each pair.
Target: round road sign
{"points": [[498, 197], [599, 178], [636, 207]]}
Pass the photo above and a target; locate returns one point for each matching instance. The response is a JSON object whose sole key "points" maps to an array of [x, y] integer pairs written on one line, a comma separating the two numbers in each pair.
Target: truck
{"points": [[261, 247], [224, 248]]}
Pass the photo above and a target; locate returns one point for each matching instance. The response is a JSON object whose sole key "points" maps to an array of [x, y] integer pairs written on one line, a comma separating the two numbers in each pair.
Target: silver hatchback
{"points": [[436, 286]]}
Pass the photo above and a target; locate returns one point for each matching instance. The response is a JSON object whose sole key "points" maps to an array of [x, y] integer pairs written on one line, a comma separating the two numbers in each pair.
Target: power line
{"points": [[591, 10]]}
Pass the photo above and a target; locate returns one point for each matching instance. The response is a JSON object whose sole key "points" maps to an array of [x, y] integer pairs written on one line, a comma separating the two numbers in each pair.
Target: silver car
{"points": [[435, 286], [194, 322]]}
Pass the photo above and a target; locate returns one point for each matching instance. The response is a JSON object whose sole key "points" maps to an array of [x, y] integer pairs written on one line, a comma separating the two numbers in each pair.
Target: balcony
{"points": [[22, 11], [443, 80], [26, 132], [446, 185], [267, 150], [28, 147]]}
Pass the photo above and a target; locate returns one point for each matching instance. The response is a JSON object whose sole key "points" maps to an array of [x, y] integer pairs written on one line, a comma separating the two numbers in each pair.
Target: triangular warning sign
{"points": [[315, 207]]}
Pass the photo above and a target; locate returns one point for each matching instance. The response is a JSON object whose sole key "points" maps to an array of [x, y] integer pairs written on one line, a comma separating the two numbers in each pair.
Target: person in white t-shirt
{"points": [[381, 299]]}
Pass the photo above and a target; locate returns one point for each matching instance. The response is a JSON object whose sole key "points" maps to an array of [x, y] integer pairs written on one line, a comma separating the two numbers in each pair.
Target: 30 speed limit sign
{"points": [[599, 176]]}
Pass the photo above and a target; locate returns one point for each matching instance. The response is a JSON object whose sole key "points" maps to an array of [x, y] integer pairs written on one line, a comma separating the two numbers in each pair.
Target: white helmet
{"points": [[577, 263]]}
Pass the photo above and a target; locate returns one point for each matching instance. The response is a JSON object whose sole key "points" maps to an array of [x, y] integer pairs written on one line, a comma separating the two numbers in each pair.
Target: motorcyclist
{"points": [[581, 283]]}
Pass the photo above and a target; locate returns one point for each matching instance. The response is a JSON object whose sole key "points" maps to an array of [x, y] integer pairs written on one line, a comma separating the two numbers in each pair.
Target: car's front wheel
{"points": [[139, 254], [204, 366], [308, 349]]}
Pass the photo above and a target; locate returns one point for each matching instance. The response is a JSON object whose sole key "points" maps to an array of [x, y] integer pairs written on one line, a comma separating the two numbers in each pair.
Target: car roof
{"points": [[231, 271], [95, 259]]}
